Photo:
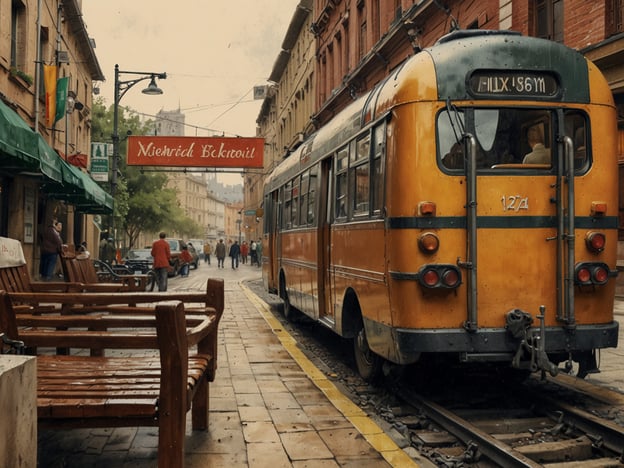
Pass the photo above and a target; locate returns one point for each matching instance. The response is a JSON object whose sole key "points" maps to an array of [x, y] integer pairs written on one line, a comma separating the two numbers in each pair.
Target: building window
{"points": [[18, 34], [614, 17], [548, 19]]}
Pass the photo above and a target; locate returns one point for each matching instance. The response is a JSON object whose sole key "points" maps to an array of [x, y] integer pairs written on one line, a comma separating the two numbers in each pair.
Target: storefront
{"points": [[37, 185]]}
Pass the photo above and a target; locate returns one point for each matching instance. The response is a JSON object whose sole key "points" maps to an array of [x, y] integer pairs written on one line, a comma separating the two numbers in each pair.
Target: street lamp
{"points": [[121, 87]]}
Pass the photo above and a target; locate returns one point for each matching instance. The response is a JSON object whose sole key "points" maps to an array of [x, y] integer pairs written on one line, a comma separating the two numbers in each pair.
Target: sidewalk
{"points": [[269, 406]]}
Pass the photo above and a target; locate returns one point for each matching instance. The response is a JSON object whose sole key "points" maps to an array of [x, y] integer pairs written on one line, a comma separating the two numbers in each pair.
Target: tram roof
{"points": [[458, 54]]}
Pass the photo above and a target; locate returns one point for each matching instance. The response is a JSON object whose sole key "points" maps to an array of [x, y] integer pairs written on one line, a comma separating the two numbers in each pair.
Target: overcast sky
{"points": [[214, 52]]}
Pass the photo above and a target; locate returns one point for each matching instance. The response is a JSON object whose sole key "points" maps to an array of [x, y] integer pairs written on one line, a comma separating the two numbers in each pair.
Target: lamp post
{"points": [[121, 87]]}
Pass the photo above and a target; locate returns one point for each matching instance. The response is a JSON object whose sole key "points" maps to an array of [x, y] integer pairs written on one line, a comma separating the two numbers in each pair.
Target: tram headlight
{"points": [[439, 276], [595, 241], [428, 243]]}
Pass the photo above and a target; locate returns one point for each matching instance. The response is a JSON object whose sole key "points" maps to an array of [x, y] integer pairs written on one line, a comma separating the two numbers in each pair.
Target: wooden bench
{"points": [[78, 269], [153, 388], [14, 274]]}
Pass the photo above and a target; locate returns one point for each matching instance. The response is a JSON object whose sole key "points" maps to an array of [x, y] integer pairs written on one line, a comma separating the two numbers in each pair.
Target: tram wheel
{"points": [[369, 364], [290, 313]]}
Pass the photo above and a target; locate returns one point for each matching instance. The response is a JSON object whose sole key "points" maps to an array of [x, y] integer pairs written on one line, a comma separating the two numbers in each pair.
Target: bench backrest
{"points": [[14, 275], [77, 269]]}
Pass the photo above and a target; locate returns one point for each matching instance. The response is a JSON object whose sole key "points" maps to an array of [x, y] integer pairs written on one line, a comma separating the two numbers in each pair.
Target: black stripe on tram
{"points": [[498, 222]]}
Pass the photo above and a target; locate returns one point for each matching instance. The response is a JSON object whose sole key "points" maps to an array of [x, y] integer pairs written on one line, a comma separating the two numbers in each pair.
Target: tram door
{"points": [[271, 220], [325, 197]]}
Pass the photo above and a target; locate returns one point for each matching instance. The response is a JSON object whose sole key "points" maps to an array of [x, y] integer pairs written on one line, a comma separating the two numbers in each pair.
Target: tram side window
{"points": [[341, 183], [377, 168], [303, 198], [576, 129], [360, 172], [286, 219], [294, 218], [312, 195]]}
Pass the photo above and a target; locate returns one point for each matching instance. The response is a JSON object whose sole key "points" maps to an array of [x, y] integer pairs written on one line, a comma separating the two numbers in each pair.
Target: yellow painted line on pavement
{"points": [[373, 434]]}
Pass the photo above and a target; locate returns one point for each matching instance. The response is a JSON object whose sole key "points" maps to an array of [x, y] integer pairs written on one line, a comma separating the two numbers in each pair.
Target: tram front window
{"points": [[507, 138]]}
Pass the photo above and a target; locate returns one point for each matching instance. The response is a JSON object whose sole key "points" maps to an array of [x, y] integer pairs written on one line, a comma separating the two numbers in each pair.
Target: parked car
{"points": [[139, 260]]}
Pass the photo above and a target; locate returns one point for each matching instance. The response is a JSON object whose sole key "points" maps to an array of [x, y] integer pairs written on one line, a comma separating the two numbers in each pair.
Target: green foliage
{"points": [[142, 201]]}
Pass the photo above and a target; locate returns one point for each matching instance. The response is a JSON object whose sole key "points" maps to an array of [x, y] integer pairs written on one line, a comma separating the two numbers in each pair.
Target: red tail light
{"points": [[431, 278], [600, 275], [439, 276], [595, 241], [590, 273], [428, 243]]}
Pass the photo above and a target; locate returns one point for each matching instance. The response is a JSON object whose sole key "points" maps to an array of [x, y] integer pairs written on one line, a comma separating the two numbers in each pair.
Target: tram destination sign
{"points": [[195, 151], [513, 83]]}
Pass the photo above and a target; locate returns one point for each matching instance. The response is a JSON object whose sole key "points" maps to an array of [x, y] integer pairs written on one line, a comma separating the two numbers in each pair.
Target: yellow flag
{"points": [[49, 81]]}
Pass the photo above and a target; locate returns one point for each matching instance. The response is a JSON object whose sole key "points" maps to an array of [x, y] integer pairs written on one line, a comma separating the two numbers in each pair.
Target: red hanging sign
{"points": [[195, 151]]}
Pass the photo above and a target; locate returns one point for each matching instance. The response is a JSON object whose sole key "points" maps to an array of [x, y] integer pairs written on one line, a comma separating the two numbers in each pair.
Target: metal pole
{"points": [[114, 162]]}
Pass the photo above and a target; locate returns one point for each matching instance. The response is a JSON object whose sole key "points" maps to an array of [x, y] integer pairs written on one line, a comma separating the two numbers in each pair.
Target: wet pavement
{"points": [[269, 405]]}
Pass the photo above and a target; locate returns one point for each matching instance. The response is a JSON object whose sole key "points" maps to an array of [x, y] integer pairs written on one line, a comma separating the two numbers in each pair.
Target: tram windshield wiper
{"points": [[456, 115]]}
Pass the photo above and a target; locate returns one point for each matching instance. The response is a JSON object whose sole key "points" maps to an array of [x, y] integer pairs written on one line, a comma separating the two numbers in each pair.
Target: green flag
{"points": [[61, 97]]}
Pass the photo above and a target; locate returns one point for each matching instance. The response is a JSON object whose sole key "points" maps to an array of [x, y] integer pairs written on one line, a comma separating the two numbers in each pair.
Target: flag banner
{"points": [[61, 97], [195, 151], [49, 83]]}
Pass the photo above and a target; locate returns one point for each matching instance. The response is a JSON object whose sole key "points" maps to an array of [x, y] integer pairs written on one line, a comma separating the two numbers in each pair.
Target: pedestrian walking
{"points": [[161, 252], [220, 253], [235, 253], [244, 251], [187, 259], [259, 252], [253, 253], [207, 252]]}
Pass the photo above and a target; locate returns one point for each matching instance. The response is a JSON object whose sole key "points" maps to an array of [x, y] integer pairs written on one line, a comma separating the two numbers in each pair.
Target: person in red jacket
{"points": [[187, 259], [161, 252]]}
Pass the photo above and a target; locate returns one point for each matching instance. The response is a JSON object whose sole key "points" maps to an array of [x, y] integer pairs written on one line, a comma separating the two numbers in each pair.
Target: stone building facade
{"points": [[285, 117]]}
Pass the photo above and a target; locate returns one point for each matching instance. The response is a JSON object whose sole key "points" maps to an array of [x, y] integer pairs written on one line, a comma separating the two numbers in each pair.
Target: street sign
{"points": [[100, 153], [250, 212]]}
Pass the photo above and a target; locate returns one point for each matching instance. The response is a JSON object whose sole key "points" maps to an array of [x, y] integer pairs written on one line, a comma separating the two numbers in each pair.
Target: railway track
{"points": [[458, 418], [516, 427]]}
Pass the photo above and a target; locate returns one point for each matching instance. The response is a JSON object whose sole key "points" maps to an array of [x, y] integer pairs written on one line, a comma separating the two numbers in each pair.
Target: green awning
{"points": [[23, 151], [18, 143], [80, 190]]}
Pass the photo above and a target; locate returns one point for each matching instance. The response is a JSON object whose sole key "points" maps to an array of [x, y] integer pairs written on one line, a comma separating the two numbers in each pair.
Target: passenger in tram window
{"points": [[539, 154]]}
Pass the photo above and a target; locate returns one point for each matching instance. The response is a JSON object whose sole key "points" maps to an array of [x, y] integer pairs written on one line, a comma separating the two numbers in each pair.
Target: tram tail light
{"points": [[439, 276], [595, 241], [598, 208], [428, 243], [427, 208], [588, 274]]}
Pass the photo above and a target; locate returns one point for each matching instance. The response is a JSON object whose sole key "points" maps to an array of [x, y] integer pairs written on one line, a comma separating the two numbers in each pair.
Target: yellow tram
{"points": [[466, 207]]}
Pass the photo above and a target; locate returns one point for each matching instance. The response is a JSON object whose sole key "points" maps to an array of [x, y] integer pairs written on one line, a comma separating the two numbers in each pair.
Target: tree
{"points": [[142, 201]]}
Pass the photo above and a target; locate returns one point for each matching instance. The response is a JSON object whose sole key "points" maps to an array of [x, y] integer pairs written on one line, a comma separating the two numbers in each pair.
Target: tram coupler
{"points": [[532, 342]]}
